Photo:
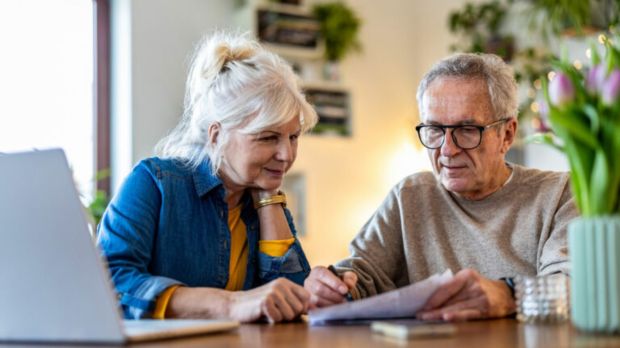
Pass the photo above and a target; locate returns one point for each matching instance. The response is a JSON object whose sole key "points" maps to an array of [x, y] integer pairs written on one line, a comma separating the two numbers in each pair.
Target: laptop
{"points": [[54, 284]]}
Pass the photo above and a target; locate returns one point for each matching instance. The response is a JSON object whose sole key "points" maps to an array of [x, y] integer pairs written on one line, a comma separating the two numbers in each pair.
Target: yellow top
{"points": [[238, 250], [275, 248], [238, 258]]}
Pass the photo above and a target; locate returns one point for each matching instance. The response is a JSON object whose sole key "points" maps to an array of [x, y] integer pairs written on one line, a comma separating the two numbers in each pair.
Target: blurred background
{"points": [[105, 81]]}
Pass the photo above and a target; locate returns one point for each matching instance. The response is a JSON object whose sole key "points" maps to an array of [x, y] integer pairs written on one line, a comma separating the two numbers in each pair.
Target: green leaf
{"points": [[339, 27], [544, 138], [593, 115], [581, 160], [103, 174], [596, 58], [98, 205], [599, 184], [573, 125], [611, 148]]}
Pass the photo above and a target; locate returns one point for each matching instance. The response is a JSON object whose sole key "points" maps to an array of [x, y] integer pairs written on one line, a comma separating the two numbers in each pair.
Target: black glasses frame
{"points": [[443, 128]]}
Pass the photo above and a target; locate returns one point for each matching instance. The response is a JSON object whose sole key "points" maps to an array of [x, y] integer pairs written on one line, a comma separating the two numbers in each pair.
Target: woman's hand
{"points": [[278, 300]]}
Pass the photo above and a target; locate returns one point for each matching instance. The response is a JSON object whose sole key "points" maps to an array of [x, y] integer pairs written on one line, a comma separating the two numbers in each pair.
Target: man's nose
{"points": [[449, 148]]}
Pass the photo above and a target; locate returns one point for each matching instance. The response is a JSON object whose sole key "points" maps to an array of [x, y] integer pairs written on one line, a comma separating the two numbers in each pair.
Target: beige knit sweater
{"points": [[421, 229]]}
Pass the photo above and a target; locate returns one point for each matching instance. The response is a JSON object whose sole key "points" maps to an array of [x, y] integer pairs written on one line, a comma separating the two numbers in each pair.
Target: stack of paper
{"points": [[399, 303]]}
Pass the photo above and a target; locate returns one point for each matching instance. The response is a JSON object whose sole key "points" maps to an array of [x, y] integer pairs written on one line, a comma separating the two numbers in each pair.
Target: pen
{"points": [[332, 269]]}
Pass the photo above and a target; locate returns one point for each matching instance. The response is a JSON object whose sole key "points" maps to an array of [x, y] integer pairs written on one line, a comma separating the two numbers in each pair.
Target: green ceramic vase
{"points": [[594, 247]]}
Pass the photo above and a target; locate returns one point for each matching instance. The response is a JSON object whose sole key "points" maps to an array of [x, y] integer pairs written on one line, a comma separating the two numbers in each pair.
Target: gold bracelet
{"points": [[279, 198]]}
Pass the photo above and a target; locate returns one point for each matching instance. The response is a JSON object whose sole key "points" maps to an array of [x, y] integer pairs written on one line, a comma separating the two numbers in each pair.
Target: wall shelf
{"points": [[288, 30], [294, 34], [333, 105]]}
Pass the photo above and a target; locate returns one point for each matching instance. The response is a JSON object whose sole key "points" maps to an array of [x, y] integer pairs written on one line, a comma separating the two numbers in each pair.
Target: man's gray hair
{"points": [[235, 82], [498, 76]]}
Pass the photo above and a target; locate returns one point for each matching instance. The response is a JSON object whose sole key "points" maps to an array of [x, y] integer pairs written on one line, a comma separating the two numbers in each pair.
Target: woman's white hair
{"points": [[235, 82], [498, 76]]}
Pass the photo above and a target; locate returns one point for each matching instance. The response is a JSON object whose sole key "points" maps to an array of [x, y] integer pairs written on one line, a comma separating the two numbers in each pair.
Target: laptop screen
{"points": [[55, 287]]}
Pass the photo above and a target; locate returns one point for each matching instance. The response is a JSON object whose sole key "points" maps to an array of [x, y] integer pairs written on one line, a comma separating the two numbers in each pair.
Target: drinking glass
{"points": [[542, 299]]}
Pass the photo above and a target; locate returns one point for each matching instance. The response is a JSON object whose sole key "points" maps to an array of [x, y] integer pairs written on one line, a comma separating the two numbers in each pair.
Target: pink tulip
{"points": [[543, 108], [561, 90], [595, 79], [611, 88]]}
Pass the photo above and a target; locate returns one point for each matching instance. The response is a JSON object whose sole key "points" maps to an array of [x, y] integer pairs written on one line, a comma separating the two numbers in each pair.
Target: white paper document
{"points": [[399, 303]]}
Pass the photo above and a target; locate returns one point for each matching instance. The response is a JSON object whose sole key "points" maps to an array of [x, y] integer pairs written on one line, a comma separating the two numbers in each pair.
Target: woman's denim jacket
{"points": [[168, 225]]}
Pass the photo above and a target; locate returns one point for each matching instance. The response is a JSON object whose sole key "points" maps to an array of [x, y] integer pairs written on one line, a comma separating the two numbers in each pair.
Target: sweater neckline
{"points": [[506, 189]]}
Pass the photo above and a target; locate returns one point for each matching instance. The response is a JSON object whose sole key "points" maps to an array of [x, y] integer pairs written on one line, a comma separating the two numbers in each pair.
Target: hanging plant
{"points": [[479, 27], [339, 28], [573, 17]]}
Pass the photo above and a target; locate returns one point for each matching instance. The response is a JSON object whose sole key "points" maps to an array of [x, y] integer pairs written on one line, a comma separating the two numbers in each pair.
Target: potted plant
{"points": [[573, 17], [339, 29], [100, 201], [479, 26], [584, 110]]}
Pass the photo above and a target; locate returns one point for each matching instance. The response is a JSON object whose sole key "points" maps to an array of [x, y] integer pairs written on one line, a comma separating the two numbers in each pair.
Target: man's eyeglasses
{"points": [[466, 137]]}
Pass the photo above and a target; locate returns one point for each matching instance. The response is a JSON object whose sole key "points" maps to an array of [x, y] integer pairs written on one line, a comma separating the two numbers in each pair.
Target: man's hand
{"points": [[326, 288], [467, 296]]}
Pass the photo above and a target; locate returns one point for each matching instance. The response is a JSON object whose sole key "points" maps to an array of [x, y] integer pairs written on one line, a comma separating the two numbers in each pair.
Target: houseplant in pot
{"points": [[479, 29], [584, 111], [571, 17], [339, 29]]}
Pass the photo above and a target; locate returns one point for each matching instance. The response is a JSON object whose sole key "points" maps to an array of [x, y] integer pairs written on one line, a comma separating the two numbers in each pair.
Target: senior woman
{"points": [[202, 231]]}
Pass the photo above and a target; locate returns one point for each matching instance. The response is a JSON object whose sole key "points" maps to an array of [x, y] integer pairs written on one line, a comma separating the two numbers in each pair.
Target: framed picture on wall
{"points": [[289, 2], [333, 105], [288, 27]]}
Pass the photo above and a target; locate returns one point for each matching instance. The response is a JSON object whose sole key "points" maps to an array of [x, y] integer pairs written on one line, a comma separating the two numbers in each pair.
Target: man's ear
{"points": [[214, 132], [510, 133]]}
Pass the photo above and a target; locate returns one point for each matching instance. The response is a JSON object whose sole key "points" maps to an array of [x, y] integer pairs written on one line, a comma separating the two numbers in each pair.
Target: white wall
{"points": [[347, 178], [153, 42]]}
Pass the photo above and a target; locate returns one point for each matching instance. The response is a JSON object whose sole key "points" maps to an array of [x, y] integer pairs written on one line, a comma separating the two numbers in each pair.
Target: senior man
{"points": [[484, 218]]}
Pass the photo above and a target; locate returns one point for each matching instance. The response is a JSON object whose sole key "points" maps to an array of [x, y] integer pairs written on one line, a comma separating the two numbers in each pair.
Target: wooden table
{"points": [[478, 334]]}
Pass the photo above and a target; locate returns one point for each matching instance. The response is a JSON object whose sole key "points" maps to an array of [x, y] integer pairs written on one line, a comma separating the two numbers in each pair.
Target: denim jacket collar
{"points": [[204, 179]]}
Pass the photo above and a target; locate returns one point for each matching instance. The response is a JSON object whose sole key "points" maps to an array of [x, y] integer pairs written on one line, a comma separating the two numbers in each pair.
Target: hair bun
{"points": [[229, 54], [226, 51]]}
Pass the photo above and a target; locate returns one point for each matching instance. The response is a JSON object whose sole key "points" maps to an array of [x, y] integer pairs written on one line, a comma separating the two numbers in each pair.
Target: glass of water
{"points": [[542, 299]]}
